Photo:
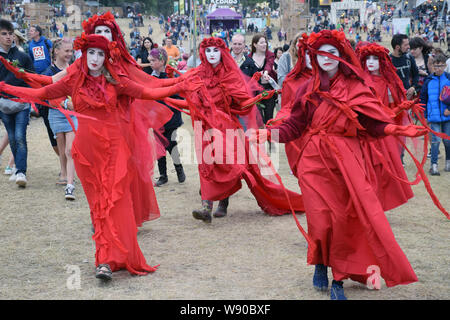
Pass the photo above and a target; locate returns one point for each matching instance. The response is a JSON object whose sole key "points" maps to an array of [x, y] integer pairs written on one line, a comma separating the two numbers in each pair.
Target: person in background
{"points": [[238, 53], [20, 41], [420, 50], [40, 52], [182, 65], [278, 53], [142, 57], [263, 59], [62, 52], [15, 115]]}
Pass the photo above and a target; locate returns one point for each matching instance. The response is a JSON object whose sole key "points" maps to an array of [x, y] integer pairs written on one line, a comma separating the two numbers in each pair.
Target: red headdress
{"points": [[387, 69], [348, 61], [108, 20]]}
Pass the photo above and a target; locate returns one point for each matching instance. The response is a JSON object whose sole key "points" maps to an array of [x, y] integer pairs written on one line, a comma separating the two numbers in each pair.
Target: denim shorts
{"points": [[59, 122]]}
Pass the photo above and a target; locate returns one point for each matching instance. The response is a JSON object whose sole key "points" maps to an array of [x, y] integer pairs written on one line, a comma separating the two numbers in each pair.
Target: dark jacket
{"points": [[24, 62]]}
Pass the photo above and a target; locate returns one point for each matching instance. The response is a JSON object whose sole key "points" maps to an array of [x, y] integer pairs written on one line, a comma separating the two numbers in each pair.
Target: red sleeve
{"points": [[53, 91]]}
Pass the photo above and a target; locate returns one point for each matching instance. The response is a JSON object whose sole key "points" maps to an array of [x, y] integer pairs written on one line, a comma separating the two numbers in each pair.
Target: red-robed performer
{"points": [[101, 152], [140, 115], [389, 88], [332, 113], [294, 79], [213, 112]]}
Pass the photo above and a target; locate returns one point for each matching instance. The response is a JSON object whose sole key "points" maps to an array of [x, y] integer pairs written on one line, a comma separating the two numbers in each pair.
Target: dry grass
{"points": [[247, 255]]}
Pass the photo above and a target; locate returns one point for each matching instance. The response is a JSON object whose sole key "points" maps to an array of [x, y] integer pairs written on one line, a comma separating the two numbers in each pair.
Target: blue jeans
{"points": [[436, 141], [16, 126]]}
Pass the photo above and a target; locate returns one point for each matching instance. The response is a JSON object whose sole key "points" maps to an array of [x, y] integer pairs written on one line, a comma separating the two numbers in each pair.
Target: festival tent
{"points": [[223, 18]]}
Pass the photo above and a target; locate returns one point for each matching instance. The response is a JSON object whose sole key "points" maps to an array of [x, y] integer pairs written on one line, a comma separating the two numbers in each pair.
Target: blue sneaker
{"points": [[320, 279], [337, 291]]}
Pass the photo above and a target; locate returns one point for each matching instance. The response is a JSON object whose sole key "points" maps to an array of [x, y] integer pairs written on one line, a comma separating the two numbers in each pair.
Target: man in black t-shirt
{"points": [[406, 64]]}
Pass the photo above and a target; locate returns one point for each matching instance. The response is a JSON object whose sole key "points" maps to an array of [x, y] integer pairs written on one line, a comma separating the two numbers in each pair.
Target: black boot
{"points": [[180, 173], [205, 212], [162, 166], [221, 209]]}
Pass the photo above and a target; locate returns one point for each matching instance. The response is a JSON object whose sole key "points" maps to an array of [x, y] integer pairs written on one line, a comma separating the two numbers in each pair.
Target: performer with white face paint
{"points": [[333, 113], [146, 114], [373, 64], [101, 151], [224, 162], [104, 31]]}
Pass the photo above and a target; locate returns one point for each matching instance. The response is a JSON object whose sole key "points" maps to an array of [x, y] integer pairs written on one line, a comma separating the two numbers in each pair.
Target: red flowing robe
{"points": [[345, 217], [104, 161], [219, 177]]}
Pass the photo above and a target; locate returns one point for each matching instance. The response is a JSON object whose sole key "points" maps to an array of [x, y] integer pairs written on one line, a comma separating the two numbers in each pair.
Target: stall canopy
{"points": [[223, 18]]}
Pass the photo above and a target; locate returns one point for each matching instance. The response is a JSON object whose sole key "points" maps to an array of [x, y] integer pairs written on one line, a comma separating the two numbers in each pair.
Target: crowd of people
{"points": [[342, 108]]}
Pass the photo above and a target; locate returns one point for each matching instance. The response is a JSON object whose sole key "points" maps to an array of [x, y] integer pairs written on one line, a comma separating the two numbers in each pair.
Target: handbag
{"points": [[8, 106], [445, 95]]}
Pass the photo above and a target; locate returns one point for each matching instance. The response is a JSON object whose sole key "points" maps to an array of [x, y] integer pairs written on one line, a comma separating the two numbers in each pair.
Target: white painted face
{"points": [[325, 63], [104, 31], [308, 60], [372, 63], [213, 55], [95, 58]]}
